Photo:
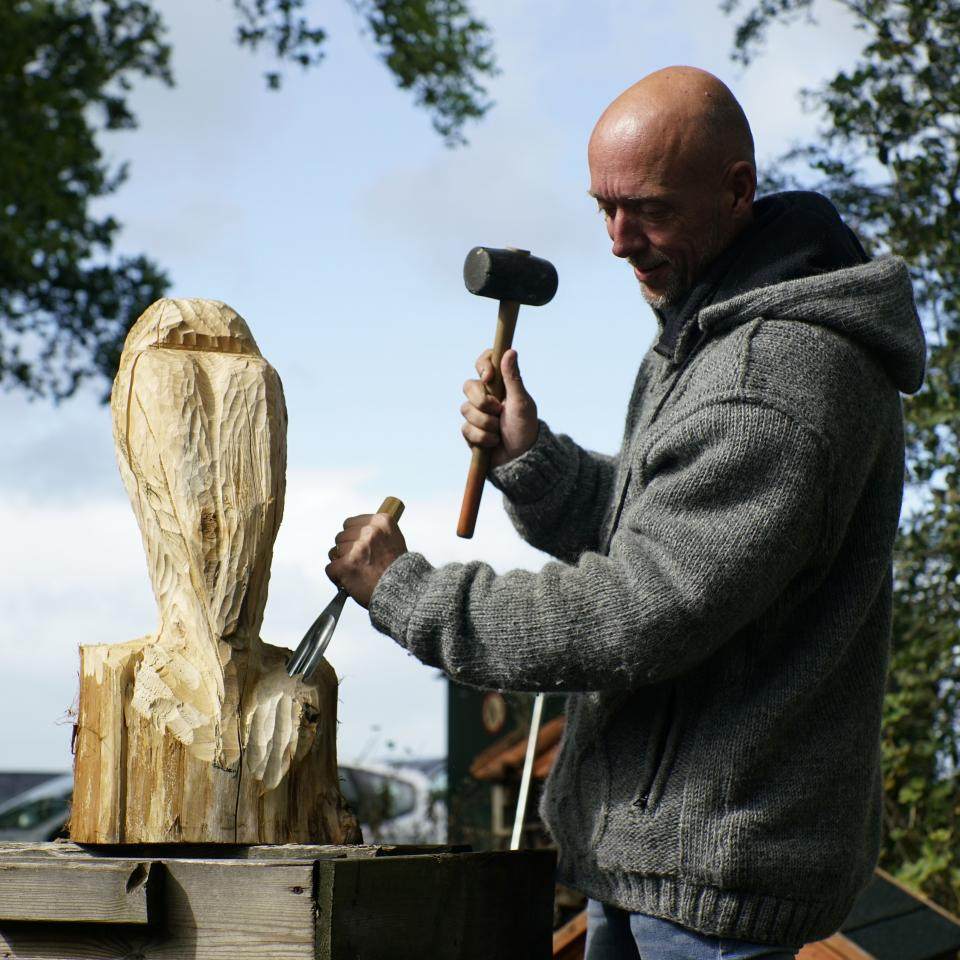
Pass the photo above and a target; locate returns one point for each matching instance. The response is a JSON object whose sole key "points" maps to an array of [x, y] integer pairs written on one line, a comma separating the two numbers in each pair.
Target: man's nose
{"points": [[627, 235]]}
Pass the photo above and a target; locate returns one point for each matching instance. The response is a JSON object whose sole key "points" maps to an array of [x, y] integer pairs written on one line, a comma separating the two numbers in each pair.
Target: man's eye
{"points": [[605, 210], [655, 214]]}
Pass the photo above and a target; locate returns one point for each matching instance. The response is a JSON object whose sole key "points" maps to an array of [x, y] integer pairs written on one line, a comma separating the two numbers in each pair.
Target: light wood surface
{"points": [[105, 892], [195, 733], [837, 947], [570, 940]]}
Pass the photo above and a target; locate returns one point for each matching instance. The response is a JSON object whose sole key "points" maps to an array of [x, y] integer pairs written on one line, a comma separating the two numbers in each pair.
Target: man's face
{"points": [[662, 214]]}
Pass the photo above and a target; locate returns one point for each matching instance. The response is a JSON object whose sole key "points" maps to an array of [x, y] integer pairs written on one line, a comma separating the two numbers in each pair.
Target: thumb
{"points": [[512, 381]]}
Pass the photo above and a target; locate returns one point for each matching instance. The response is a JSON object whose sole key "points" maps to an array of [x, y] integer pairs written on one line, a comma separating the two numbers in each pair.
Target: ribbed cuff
{"points": [[533, 474], [396, 595]]}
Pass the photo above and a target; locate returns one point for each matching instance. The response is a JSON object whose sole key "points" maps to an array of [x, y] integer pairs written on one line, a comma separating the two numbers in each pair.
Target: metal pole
{"points": [[527, 772]]}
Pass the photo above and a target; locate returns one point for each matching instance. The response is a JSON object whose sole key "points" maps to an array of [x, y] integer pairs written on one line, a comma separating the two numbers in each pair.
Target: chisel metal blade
{"points": [[304, 661]]}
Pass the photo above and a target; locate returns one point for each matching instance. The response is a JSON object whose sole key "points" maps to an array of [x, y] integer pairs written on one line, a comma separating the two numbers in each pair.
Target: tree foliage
{"points": [[66, 71], [435, 48], [889, 156]]}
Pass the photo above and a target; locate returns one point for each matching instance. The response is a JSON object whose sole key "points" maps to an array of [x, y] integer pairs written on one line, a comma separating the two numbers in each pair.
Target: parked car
{"points": [[39, 813], [392, 805]]}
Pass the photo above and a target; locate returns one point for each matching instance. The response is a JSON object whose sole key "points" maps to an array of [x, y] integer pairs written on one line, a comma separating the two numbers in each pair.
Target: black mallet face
{"points": [[510, 275]]}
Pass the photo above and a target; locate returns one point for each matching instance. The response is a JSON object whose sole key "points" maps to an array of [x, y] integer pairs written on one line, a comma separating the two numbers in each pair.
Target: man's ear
{"points": [[742, 184]]}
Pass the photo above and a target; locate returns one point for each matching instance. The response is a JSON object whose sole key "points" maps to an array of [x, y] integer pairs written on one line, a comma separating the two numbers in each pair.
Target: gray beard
{"points": [[676, 289], [673, 294]]}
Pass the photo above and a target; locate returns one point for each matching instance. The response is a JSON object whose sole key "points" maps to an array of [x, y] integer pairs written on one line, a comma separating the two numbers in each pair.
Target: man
{"points": [[720, 611]]}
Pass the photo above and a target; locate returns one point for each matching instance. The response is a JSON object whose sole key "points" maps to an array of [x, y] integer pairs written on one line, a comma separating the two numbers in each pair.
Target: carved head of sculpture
{"points": [[200, 429]]}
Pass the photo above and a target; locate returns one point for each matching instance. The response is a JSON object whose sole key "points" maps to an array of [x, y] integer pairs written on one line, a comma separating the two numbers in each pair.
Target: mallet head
{"points": [[513, 277], [510, 275]]}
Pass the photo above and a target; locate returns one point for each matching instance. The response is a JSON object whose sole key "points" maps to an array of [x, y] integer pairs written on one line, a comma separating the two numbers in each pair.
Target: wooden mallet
{"points": [[513, 277]]}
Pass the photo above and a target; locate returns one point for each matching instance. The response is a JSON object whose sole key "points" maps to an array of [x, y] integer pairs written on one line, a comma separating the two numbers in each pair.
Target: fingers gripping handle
{"points": [[480, 460]]}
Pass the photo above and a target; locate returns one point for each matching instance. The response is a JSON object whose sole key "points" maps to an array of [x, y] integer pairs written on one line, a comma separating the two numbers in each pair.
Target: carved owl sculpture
{"points": [[200, 423]]}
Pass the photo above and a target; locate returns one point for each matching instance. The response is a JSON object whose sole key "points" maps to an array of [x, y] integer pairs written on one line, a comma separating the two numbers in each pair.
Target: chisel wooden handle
{"points": [[480, 459], [393, 508]]}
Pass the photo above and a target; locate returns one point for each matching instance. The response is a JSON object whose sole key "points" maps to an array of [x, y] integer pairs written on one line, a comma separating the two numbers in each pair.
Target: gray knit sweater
{"points": [[720, 611]]}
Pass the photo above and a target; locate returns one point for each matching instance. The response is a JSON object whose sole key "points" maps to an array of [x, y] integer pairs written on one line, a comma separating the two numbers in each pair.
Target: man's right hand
{"points": [[510, 428]]}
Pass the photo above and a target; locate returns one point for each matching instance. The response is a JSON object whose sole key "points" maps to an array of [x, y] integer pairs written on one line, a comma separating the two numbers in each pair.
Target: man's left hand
{"points": [[366, 546]]}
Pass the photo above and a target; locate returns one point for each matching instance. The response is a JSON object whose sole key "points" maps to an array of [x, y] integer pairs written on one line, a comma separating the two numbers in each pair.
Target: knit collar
{"points": [[791, 236]]}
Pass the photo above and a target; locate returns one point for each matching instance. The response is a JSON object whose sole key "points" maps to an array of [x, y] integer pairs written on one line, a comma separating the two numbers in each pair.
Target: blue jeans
{"points": [[614, 934]]}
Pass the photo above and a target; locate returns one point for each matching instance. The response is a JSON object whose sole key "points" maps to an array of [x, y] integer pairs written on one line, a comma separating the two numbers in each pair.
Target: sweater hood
{"points": [[871, 303], [798, 260]]}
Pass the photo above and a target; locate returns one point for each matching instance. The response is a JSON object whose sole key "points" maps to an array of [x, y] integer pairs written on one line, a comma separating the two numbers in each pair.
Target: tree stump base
{"points": [[137, 783]]}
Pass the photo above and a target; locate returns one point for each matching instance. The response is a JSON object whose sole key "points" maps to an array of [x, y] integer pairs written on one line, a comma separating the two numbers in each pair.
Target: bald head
{"points": [[684, 113], [672, 167]]}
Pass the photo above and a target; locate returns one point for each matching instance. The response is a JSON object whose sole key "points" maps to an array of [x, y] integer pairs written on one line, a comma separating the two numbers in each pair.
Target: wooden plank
{"points": [[239, 910], [66, 850], [212, 910], [921, 935], [879, 900], [101, 891], [569, 942], [446, 907], [86, 941], [837, 947], [917, 895]]}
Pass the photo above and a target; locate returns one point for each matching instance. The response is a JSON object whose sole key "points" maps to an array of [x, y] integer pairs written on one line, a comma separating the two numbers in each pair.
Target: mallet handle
{"points": [[480, 460]]}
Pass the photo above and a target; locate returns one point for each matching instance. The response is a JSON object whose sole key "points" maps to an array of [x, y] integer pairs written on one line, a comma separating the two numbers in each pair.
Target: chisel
{"points": [[315, 641]]}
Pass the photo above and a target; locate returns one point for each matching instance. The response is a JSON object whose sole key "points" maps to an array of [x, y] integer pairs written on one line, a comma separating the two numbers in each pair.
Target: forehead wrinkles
{"points": [[631, 158]]}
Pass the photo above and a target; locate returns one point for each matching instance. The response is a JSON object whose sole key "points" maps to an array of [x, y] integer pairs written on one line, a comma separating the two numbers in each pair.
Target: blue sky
{"points": [[333, 219]]}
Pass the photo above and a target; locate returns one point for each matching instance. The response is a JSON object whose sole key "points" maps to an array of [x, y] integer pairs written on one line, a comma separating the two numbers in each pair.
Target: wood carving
{"points": [[195, 733]]}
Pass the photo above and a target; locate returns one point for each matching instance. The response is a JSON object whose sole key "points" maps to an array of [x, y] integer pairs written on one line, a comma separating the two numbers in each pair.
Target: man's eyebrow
{"points": [[600, 198]]}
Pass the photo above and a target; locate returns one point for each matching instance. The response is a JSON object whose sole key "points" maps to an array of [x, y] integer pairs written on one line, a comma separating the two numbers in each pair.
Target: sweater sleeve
{"points": [[730, 506], [556, 494]]}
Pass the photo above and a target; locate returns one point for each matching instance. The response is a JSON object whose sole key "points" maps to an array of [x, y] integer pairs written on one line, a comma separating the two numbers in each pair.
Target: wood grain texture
{"points": [[212, 910], [195, 733], [446, 907], [837, 947], [569, 942], [101, 891]]}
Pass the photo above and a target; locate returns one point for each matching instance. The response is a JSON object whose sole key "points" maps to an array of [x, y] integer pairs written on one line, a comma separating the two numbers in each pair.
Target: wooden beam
{"points": [[921, 935], [67, 850], [446, 907], [569, 942], [100, 891], [837, 947], [212, 910], [918, 895]]}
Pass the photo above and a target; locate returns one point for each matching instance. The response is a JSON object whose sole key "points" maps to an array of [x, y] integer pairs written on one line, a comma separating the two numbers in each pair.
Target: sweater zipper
{"points": [[625, 486]]}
